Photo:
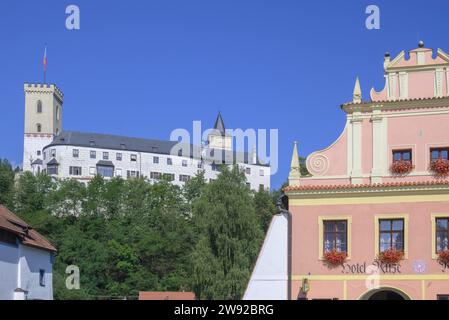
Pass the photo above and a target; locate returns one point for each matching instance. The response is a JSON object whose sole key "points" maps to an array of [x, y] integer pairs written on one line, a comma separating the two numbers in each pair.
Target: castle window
{"points": [[184, 163], [184, 178], [75, 153], [93, 154], [39, 106], [52, 169], [156, 175], [105, 155], [53, 153], [57, 113], [169, 161], [200, 165], [134, 157], [132, 174], [105, 171], [156, 160], [261, 173], [39, 127], [168, 176], [75, 171], [248, 170], [118, 157], [38, 152]]}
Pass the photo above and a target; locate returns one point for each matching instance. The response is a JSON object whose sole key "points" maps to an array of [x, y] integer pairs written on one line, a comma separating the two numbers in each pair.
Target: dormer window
{"points": [[39, 106]]}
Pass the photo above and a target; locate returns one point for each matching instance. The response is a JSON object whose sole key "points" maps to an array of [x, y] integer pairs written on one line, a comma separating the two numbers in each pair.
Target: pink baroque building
{"points": [[371, 221]]}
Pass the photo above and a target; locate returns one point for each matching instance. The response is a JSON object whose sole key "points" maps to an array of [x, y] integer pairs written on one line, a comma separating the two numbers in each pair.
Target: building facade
{"points": [[26, 261], [82, 156], [372, 219]]}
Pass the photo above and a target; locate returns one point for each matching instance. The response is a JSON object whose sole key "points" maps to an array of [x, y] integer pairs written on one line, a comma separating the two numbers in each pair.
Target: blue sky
{"points": [[144, 68]]}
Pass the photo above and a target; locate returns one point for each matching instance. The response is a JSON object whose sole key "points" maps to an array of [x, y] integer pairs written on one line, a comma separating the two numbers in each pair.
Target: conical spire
{"points": [[357, 95], [295, 173], [219, 125]]}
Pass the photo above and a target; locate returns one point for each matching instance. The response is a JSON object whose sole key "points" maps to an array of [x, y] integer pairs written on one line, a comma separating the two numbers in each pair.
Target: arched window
{"points": [[39, 127], [39, 106]]}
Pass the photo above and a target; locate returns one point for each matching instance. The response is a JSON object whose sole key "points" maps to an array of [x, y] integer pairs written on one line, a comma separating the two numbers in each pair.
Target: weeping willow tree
{"points": [[229, 237]]}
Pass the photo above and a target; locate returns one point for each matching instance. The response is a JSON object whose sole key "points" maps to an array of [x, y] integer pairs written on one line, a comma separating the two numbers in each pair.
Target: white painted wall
{"points": [[30, 262], [270, 275], [19, 268], [9, 256], [144, 164]]}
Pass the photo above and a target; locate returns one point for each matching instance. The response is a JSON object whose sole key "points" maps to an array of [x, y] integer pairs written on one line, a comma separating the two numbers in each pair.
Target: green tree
{"points": [[264, 206], [6, 182], [32, 193], [229, 237]]}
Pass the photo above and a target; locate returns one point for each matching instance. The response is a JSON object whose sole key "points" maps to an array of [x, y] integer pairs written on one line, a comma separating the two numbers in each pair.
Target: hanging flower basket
{"points": [[440, 167], [443, 257], [390, 256], [335, 258], [401, 167]]}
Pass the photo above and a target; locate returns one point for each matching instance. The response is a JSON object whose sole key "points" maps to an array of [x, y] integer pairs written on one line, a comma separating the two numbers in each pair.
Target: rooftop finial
{"points": [[357, 95], [295, 173], [421, 44]]}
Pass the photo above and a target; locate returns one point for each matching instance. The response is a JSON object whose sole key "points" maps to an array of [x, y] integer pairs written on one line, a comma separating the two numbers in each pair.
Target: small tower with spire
{"points": [[357, 95], [219, 139], [295, 173]]}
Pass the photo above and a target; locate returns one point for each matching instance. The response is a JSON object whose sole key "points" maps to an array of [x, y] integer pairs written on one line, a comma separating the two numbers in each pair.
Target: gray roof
{"points": [[37, 161], [52, 162], [219, 125], [107, 141], [105, 163], [113, 142]]}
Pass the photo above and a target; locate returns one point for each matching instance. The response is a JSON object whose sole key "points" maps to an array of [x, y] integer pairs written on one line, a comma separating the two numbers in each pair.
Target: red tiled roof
{"points": [[27, 235], [367, 186], [156, 295], [389, 101]]}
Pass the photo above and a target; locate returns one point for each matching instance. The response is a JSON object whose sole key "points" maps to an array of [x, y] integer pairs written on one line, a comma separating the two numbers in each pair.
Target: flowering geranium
{"points": [[390, 256], [443, 257], [335, 258], [401, 167], [440, 167]]}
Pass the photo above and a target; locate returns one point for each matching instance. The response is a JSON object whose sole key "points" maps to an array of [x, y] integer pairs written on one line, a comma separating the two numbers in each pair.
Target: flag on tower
{"points": [[45, 58], [44, 61]]}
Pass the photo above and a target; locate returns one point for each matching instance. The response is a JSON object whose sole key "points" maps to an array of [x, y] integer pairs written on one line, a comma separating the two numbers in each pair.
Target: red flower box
{"points": [[335, 258], [390, 256], [440, 167], [443, 257], [401, 167]]}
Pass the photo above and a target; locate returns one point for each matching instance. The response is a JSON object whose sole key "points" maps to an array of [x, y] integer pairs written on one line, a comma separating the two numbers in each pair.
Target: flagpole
{"points": [[45, 64]]}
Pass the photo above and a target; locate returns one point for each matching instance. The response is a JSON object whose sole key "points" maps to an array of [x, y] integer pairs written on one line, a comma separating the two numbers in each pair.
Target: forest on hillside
{"points": [[127, 236]]}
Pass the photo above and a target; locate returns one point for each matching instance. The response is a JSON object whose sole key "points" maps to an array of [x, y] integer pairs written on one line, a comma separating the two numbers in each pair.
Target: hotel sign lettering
{"points": [[361, 268]]}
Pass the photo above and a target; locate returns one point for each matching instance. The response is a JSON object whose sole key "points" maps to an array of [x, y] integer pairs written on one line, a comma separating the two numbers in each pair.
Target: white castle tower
{"points": [[43, 120]]}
